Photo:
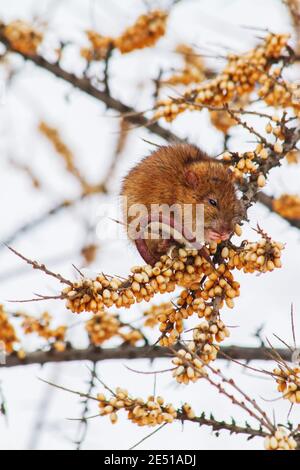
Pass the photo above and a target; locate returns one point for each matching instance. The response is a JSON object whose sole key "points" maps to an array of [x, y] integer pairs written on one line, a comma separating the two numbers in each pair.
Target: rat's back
{"points": [[155, 178]]}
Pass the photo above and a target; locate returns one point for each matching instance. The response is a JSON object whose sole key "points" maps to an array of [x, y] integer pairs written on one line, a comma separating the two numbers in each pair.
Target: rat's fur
{"points": [[183, 174]]}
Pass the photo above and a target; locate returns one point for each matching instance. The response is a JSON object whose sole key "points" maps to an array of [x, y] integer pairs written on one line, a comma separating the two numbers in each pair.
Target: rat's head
{"points": [[212, 184]]}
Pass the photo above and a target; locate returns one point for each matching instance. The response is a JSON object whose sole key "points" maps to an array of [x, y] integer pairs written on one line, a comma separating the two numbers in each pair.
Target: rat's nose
{"points": [[224, 231], [224, 234], [218, 235]]}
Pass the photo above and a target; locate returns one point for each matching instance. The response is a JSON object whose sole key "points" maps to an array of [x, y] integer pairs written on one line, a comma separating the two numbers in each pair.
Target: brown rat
{"points": [[183, 174]]}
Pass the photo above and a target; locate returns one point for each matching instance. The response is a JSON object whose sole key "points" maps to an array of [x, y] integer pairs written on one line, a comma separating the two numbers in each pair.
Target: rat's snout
{"points": [[224, 235], [216, 235], [223, 232]]}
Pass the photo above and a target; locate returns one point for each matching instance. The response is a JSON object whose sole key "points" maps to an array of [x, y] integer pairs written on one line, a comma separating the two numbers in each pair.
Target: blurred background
{"points": [[33, 180]]}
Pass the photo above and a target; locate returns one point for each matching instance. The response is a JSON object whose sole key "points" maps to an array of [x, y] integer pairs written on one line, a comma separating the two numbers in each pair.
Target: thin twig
{"points": [[40, 267]]}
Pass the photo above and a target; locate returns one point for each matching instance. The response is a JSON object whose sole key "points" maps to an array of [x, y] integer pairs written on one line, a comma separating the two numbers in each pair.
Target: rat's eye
{"points": [[213, 202]]}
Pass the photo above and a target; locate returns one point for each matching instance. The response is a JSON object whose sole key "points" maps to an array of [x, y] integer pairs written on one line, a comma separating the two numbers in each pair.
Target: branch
{"points": [[222, 425], [267, 201], [85, 85], [83, 424], [250, 193], [294, 10], [181, 415], [131, 115], [131, 352], [41, 267]]}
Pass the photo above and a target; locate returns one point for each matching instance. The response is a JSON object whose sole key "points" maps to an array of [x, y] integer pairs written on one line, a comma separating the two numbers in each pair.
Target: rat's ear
{"points": [[231, 174], [191, 178]]}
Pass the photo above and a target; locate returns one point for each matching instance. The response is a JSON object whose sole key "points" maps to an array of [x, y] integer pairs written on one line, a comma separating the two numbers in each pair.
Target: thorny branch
{"points": [[182, 417], [83, 425], [132, 352], [40, 267], [267, 201]]}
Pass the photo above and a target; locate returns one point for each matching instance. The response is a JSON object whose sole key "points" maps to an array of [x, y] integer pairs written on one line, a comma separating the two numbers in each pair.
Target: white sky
{"points": [[91, 133]]}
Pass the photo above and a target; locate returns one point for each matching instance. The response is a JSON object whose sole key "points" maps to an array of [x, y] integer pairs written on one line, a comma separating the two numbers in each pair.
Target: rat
{"points": [[179, 174]]}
